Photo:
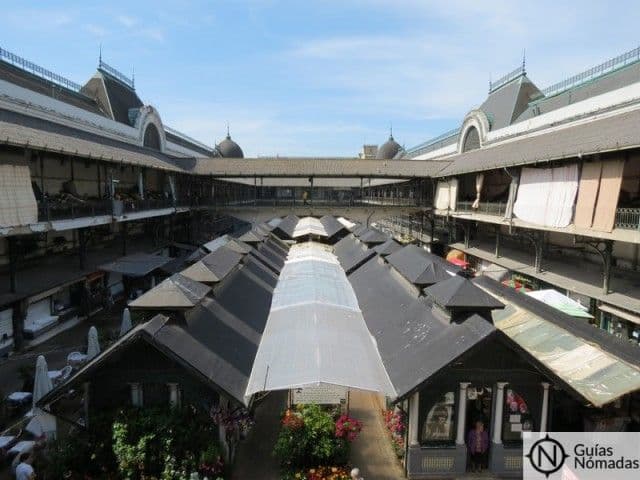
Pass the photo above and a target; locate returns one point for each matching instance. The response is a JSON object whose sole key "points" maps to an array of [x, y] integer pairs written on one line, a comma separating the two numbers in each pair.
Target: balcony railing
{"points": [[627, 218], [48, 211], [486, 208], [130, 206]]}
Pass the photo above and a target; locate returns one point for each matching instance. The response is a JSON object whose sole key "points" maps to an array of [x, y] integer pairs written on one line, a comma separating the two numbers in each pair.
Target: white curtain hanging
{"points": [[479, 183], [546, 196]]}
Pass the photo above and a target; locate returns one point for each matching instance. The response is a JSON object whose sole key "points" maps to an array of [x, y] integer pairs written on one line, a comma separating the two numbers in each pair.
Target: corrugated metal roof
{"points": [[26, 131], [609, 133]]}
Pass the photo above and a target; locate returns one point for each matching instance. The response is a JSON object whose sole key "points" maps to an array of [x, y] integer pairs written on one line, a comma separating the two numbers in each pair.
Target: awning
{"points": [[315, 333], [136, 265], [561, 302], [595, 374], [17, 202], [620, 313]]}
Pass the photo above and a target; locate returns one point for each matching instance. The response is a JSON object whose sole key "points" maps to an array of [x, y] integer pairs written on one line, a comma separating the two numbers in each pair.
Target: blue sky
{"points": [[318, 78]]}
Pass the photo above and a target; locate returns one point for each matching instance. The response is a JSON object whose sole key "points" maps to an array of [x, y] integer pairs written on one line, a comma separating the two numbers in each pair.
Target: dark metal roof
{"points": [[619, 78], [413, 342], [247, 296], [275, 255], [286, 227], [331, 225], [222, 261], [388, 247], [506, 103], [121, 98], [351, 253], [229, 149], [460, 292], [174, 293], [260, 270], [373, 236], [388, 150], [136, 265], [421, 267]]}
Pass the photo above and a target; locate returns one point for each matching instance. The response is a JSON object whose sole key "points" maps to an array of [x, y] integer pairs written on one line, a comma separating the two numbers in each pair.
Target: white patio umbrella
{"points": [[93, 347], [125, 326], [42, 383], [42, 423]]}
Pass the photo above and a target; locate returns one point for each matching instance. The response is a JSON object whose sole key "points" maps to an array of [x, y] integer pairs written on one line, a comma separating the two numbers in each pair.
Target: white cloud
{"points": [[126, 21], [95, 30]]}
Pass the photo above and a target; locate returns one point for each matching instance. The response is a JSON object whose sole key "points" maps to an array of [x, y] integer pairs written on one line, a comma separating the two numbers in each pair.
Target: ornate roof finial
{"points": [[100, 56], [524, 59], [391, 130], [228, 135], [133, 77]]}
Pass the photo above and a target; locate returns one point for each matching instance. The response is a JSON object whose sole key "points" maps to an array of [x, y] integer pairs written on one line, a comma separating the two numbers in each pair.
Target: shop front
{"points": [[472, 416]]}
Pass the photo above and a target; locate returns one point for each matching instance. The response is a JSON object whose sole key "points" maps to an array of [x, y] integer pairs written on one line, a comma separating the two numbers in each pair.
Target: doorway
{"points": [[479, 409]]}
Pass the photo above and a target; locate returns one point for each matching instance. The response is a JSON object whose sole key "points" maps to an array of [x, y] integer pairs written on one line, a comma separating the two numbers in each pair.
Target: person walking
{"points": [[478, 444], [24, 470]]}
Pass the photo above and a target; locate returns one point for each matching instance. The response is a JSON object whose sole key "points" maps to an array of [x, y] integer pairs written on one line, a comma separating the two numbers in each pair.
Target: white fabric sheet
{"points": [[546, 196], [18, 204], [442, 196]]}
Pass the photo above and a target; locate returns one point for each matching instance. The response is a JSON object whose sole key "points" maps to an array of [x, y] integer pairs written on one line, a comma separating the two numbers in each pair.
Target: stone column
{"points": [[544, 415], [462, 412], [414, 415], [497, 415]]}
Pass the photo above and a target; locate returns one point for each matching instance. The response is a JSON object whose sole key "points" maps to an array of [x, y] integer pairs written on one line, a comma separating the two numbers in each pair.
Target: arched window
{"points": [[152, 137], [471, 140]]}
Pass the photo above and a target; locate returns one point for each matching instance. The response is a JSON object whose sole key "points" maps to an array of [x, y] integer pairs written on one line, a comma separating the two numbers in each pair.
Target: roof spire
{"points": [[100, 56], [391, 130], [133, 77], [228, 135], [524, 60]]}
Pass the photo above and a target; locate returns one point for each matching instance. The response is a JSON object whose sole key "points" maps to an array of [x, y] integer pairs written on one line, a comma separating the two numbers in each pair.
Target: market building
{"points": [[515, 235]]}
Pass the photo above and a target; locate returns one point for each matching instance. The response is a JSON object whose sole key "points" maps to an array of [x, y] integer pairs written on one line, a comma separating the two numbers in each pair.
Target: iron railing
{"points": [[37, 70], [129, 82], [427, 146], [48, 211], [518, 72], [487, 208], [627, 218], [610, 65]]}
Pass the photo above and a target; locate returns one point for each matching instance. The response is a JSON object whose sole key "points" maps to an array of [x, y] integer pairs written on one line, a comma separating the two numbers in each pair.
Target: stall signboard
{"points": [[323, 394]]}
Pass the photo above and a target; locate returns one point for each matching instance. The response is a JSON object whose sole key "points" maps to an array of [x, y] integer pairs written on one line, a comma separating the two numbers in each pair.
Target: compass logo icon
{"points": [[547, 456]]}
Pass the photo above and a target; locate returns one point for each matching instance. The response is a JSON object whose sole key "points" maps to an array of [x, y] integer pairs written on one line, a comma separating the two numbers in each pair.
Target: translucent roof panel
{"points": [[347, 223], [598, 376], [309, 226], [315, 332]]}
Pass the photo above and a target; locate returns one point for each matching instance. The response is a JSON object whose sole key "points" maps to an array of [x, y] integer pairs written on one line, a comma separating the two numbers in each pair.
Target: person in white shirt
{"points": [[24, 470]]}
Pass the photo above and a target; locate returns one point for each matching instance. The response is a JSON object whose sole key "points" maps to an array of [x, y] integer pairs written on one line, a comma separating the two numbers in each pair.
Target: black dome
{"points": [[229, 149], [388, 150]]}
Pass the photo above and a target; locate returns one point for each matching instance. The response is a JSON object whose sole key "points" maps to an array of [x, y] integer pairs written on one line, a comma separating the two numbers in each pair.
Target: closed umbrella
{"points": [[42, 423], [42, 383], [93, 347], [125, 326]]}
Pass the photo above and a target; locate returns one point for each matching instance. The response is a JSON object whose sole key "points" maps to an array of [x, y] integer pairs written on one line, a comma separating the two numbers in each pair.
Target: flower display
{"points": [[348, 428], [394, 420], [323, 473]]}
